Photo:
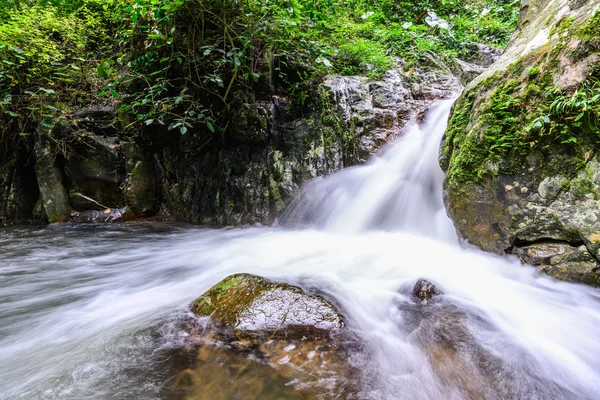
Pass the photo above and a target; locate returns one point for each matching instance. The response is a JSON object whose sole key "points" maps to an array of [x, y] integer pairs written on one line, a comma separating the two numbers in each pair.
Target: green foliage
{"points": [[200, 56], [188, 65], [48, 52], [580, 107]]}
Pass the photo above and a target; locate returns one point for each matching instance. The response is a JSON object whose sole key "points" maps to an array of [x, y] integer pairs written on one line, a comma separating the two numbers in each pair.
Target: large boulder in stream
{"points": [[253, 331], [249, 303], [521, 152]]}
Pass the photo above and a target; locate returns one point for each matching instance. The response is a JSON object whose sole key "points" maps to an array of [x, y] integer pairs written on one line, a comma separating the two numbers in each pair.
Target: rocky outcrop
{"points": [[54, 195], [280, 144], [523, 175], [272, 146]]}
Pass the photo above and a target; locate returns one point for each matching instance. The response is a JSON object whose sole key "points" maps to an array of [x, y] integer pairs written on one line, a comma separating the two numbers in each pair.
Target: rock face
{"points": [[280, 144], [53, 193], [522, 176], [19, 192], [273, 146], [95, 173], [249, 303]]}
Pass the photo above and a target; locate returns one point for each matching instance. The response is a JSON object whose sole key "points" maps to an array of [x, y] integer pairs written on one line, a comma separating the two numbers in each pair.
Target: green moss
{"points": [[490, 81], [276, 195], [228, 298], [514, 118], [582, 187]]}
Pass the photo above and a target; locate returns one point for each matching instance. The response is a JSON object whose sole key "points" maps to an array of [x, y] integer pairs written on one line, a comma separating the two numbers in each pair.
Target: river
{"points": [[94, 311]]}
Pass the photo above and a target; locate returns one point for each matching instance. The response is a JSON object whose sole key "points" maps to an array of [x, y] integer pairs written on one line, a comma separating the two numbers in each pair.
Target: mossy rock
{"points": [[250, 303], [519, 172]]}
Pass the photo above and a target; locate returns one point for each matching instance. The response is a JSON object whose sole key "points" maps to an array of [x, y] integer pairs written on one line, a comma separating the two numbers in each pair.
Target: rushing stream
{"points": [[93, 311]]}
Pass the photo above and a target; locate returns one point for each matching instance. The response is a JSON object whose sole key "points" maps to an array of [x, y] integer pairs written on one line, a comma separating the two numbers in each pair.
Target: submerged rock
{"points": [[245, 302], [279, 368], [456, 341]]}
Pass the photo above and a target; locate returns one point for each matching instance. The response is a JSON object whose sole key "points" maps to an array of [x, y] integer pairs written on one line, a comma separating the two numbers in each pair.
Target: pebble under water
{"points": [[99, 311]]}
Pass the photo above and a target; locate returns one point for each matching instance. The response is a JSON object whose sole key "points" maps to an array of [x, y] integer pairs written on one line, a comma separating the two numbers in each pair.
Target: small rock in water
{"points": [[425, 290]]}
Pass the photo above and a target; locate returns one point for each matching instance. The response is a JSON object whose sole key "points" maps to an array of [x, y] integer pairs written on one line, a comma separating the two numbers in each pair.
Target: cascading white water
{"points": [[399, 189], [85, 311]]}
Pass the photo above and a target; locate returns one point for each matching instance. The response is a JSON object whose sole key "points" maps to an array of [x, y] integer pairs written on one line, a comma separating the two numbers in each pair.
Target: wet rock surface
{"points": [[262, 339], [425, 290], [541, 197], [561, 260], [456, 341], [249, 303]]}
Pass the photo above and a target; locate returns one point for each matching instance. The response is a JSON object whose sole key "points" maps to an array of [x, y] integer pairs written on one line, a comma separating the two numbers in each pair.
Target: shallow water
{"points": [[94, 311]]}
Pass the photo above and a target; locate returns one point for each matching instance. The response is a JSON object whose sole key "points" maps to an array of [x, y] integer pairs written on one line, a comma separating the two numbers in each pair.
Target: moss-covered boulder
{"points": [[249, 303], [521, 150], [266, 339]]}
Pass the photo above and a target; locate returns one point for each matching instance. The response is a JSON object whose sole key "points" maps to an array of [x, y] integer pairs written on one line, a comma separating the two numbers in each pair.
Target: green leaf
{"points": [[47, 91], [103, 69], [183, 130]]}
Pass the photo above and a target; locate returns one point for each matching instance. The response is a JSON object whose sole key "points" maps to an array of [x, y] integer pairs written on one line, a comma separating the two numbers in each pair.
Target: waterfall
{"points": [[399, 189], [87, 311]]}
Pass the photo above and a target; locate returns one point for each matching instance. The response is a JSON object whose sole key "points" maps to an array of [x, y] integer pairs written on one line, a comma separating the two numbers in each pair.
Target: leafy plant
{"points": [[580, 107]]}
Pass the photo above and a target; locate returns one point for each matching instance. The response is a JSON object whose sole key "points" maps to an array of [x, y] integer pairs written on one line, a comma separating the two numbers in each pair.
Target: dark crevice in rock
{"points": [[519, 243]]}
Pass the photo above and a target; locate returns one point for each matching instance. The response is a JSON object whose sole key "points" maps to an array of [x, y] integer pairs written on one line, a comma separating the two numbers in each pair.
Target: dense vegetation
{"points": [[184, 64]]}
